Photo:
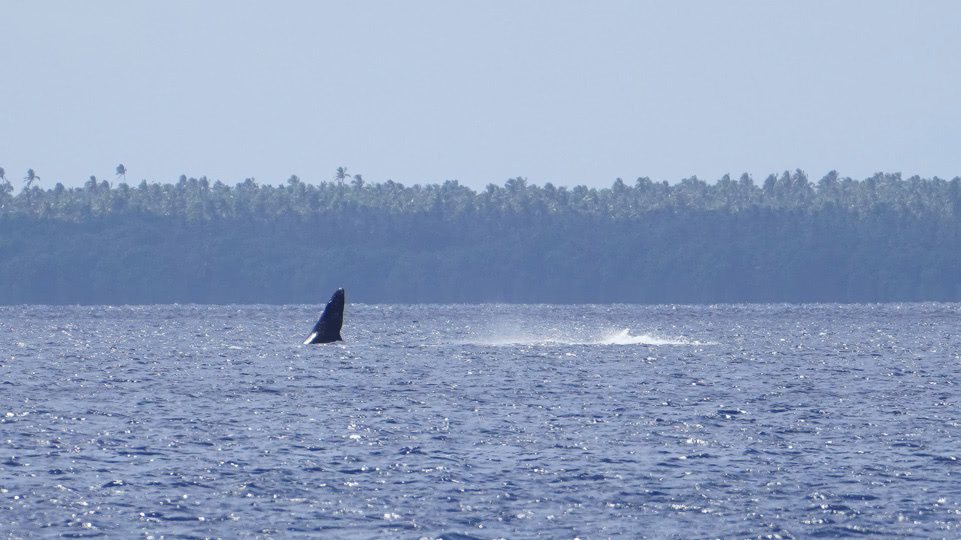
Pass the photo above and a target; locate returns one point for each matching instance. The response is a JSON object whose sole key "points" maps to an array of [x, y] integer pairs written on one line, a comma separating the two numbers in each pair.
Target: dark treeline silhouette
{"points": [[884, 238]]}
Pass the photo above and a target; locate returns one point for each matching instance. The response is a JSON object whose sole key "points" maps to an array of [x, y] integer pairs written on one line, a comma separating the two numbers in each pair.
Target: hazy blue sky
{"points": [[569, 92]]}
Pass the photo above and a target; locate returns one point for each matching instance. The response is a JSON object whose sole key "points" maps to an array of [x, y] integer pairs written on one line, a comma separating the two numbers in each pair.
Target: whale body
{"points": [[328, 327]]}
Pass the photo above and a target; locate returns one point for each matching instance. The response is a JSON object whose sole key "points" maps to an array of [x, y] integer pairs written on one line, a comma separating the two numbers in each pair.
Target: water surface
{"points": [[480, 422]]}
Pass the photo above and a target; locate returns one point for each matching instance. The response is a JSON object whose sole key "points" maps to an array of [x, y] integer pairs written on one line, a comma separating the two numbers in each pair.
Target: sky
{"points": [[423, 91]]}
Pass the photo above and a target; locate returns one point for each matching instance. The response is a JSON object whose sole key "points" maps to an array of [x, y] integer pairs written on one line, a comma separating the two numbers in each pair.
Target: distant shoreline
{"points": [[882, 239]]}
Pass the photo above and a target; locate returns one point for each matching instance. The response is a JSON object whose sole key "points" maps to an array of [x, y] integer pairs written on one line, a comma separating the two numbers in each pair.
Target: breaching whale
{"points": [[331, 320]]}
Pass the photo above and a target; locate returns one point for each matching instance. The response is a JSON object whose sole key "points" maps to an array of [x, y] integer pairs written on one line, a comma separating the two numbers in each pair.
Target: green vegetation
{"points": [[788, 240]]}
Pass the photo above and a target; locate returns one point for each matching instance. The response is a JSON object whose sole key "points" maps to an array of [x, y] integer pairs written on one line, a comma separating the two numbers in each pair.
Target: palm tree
{"points": [[5, 188], [30, 178], [342, 174], [122, 172]]}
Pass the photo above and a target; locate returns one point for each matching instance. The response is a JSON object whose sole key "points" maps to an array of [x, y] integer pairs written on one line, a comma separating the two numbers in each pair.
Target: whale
{"points": [[327, 329]]}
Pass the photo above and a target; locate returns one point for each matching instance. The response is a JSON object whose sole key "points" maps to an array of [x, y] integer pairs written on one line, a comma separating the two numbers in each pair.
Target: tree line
{"points": [[787, 239]]}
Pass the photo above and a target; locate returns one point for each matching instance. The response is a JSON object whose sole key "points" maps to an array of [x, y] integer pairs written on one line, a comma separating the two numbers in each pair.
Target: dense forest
{"points": [[884, 238]]}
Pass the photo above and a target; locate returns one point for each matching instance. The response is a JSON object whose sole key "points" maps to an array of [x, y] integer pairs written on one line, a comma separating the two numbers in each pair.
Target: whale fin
{"points": [[328, 327]]}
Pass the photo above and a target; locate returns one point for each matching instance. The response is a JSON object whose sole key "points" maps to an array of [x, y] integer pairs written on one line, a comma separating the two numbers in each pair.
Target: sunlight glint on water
{"points": [[478, 422]]}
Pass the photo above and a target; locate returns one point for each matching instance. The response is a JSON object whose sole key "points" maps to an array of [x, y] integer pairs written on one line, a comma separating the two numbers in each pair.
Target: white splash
{"points": [[624, 337], [557, 337]]}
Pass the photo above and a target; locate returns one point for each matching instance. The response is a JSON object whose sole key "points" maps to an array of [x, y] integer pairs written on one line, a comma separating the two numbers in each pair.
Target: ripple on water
{"points": [[481, 422]]}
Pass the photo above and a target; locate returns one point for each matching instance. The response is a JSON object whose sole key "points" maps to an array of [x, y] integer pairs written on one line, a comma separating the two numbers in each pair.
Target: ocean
{"points": [[469, 422]]}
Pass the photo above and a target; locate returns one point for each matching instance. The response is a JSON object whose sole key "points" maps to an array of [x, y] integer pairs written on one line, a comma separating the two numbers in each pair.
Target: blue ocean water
{"points": [[480, 422]]}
